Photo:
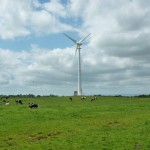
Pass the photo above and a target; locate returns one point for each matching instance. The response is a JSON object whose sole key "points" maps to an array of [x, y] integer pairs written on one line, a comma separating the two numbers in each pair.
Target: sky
{"points": [[36, 58]]}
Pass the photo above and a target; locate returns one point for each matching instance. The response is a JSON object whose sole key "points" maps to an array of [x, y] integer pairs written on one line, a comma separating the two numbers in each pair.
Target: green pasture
{"points": [[109, 123]]}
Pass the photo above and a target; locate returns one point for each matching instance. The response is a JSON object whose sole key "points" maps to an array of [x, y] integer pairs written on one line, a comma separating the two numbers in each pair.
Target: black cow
{"points": [[70, 98]]}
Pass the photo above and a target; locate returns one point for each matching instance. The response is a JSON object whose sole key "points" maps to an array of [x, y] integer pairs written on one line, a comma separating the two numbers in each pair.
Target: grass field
{"points": [[109, 123]]}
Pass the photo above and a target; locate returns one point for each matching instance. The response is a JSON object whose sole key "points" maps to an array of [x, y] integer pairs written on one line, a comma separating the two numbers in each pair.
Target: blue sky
{"points": [[35, 57], [48, 41]]}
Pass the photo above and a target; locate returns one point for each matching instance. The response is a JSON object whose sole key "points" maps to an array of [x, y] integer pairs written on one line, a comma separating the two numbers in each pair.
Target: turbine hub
{"points": [[79, 44]]}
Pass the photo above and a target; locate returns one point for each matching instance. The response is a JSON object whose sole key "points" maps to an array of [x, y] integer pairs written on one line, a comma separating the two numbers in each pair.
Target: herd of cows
{"points": [[31, 105], [84, 98]]}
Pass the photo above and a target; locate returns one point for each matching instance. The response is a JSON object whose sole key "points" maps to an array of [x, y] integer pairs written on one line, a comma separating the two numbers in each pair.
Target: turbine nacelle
{"points": [[79, 43]]}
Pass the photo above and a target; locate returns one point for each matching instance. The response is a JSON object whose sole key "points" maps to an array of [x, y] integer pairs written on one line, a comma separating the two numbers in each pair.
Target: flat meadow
{"points": [[108, 123]]}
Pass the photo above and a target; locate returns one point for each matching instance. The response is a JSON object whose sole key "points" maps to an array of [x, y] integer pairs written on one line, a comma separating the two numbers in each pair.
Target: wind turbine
{"points": [[78, 48]]}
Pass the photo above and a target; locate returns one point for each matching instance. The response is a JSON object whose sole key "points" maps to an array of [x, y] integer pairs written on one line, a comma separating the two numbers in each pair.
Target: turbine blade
{"points": [[73, 40], [75, 52], [84, 38]]}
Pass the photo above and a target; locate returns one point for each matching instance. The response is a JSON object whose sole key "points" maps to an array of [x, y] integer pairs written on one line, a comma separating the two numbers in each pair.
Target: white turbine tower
{"points": [[78, 48]]}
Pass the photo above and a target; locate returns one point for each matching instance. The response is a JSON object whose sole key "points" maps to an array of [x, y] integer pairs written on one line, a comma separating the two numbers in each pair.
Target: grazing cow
{"points": [[19, 102], [93, 99], [32, 105], [83, 98], [70, 99], [7, 103], [4, 101]]}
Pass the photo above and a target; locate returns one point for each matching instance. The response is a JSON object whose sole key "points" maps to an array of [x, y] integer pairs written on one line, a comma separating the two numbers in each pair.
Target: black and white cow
{"points": [[19, 102], [83, 98], [93, 99], [32, 105]]}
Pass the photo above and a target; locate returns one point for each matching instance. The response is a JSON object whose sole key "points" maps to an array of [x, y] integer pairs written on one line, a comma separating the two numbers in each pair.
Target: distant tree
{"points": [[144, 96]]}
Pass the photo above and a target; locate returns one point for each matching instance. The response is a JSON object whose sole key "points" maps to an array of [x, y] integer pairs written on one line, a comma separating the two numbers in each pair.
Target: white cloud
{"points": [[36, 69], [76, 8], [55, 8], [21, 18], [13, 18]]}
